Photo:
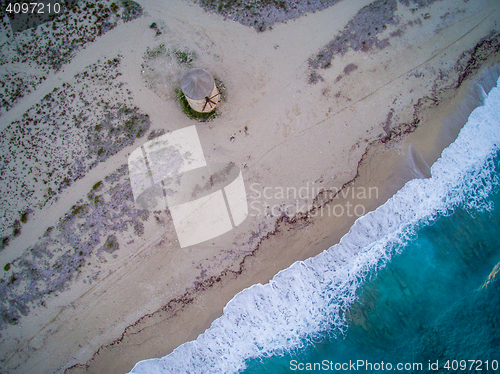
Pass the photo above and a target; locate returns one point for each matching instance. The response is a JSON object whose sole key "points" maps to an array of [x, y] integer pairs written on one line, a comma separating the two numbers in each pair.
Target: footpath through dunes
{"points": [[104, 48], [130, 40], [137, 295]]}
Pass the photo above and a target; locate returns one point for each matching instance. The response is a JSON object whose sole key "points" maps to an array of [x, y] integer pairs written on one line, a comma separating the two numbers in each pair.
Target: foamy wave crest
{"points": [[312, 296]]}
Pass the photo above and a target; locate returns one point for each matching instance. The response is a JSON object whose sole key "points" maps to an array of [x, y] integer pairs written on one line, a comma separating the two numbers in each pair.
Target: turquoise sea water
{"points": [[436, 301], [417, 281]]}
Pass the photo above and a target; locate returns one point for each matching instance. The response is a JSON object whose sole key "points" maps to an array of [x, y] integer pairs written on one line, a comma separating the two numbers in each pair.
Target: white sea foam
{"points": [[312, 296]]}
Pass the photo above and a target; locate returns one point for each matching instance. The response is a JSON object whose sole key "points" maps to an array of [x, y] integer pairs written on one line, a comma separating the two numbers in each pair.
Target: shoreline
{"points": [[157, 296], [278, 239], [266, 260]]}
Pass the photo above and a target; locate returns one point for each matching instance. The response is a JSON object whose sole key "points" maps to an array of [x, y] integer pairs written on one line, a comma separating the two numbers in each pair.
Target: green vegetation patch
{"points": [[98, 200], [111, 244], [134, 125], [97, 185], [77, 209], [155, 133], [155, 27], [185, 57], [190, 112], [4, 242], [156, 52], [193, 114], [17, 228], [24, 217], [131, 10]]}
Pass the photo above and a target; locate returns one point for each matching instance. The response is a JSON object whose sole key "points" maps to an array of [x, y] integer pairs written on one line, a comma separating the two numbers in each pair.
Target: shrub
{"points": [[131, 10], [97, 185], [111, 244], [184, 57], [24, 217]]}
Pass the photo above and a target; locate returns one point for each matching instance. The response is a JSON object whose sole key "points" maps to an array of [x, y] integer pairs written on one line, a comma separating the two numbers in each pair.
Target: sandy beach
{"points": [[327, 111]]}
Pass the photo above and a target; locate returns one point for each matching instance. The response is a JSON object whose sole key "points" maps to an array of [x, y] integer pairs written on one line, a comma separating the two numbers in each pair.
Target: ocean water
{"points": [[415, 282], [437, 301]]}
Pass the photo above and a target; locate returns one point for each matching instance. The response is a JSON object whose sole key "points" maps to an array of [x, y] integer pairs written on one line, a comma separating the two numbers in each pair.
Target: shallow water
{"points": [[437, 301]]}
